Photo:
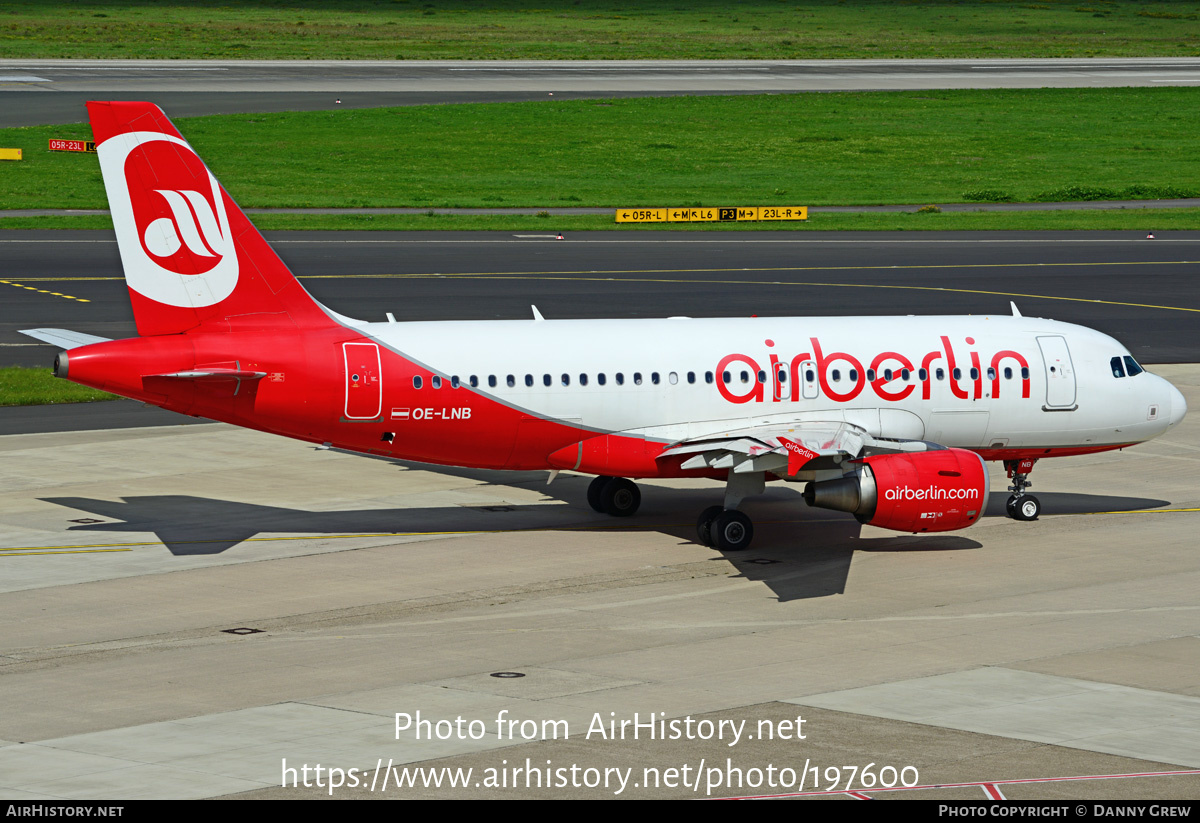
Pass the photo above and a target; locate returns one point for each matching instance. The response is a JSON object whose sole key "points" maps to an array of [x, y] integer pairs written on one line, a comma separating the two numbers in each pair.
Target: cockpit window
{"points": [[1117, 369], [1132, 367]]}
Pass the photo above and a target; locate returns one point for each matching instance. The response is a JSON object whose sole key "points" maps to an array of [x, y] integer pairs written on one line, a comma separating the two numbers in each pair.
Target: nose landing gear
{"points": [[1021, 506], [724, 527]]}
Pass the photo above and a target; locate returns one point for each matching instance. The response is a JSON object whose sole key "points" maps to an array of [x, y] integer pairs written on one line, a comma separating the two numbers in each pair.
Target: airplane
{"points": [[887, 418]]}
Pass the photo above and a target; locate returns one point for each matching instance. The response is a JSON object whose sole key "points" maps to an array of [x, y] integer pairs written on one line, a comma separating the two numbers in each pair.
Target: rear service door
{"points": [[364, 381]]}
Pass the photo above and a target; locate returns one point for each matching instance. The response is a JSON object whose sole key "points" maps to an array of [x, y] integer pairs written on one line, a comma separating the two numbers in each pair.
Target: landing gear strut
{"points": [[614, 495], [724, 527], [1021, 506]]}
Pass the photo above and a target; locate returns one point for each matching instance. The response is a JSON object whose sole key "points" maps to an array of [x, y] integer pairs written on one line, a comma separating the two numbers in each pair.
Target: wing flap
{"points": [[787, 449]]}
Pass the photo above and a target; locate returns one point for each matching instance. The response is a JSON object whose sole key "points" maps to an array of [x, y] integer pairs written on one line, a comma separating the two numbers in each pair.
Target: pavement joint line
{"points": [[1132, 511], [16, 553], [595, 528]]}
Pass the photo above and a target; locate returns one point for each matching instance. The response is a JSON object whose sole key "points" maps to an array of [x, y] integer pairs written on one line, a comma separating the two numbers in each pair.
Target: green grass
{"points": [[591, 29], [801, 149], [1060, 220], [35, 387]]}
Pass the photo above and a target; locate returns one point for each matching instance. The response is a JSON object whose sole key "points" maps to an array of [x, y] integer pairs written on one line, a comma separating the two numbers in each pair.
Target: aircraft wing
{"points": [[788, 449], [64, 338]]}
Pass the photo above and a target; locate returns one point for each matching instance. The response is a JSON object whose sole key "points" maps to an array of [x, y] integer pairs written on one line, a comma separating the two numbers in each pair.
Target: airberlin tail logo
{"points": [[192, 223], [170, 219]]}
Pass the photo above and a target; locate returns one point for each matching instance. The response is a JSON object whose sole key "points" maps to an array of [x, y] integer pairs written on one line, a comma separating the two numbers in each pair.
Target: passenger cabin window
{"points": [[673, 378], [708, 377], [529, 380], [957, 374], [870, 375], [762, 376], [620, 379], [654, 378], [974, 373], [512, 381], [474, 381], [782, 376], [637, 378], [1008, 372], [547, 380], [416, 381], [922, 375], [566, 379], [726, 377], [491, 381], [435, 381], [583, 379], [1024, 372], [941, 374], [454, 381], [836, 375], [601, 379], [691, 377]]}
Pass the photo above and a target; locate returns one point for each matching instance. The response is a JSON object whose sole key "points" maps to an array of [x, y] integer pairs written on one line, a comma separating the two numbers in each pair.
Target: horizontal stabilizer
{"points": [[64, 338]]}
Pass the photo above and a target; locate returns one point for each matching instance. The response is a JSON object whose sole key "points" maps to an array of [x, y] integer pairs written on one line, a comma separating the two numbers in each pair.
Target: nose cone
{"points": [[1178, 406]]}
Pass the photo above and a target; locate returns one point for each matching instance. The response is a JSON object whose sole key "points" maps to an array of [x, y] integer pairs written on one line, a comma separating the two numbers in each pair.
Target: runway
{"points": [[53, 91], [1143, 292]]}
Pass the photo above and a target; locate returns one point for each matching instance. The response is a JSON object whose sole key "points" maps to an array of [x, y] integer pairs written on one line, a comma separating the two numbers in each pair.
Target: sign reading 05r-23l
{"points": [[712, 215]]}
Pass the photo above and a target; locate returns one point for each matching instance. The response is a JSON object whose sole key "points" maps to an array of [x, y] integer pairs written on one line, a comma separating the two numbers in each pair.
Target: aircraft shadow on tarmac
{"points": [[798, 553]]}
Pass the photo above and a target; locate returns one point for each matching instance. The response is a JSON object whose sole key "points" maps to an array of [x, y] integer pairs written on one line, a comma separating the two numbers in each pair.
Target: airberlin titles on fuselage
{"points": [[786, 377]]}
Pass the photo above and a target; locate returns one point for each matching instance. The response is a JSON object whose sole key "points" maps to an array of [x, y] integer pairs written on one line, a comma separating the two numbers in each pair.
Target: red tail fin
{"points": [[192, 260]]}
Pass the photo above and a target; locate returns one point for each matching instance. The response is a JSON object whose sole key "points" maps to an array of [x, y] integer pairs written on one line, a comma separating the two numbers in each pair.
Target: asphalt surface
{"points": [[1144, 292], [53, 91]]}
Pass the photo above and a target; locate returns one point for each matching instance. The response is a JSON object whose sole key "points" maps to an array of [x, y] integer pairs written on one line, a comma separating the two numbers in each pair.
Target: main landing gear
{"points": [[1021, 506], [614, 495], [722, 527]]}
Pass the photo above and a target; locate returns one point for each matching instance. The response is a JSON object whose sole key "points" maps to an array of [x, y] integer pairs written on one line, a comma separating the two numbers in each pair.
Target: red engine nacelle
{"points": [[934, 491]]}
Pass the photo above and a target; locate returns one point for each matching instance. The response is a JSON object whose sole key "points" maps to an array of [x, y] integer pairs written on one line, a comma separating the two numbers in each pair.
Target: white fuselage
{"points": [[666, 379]]}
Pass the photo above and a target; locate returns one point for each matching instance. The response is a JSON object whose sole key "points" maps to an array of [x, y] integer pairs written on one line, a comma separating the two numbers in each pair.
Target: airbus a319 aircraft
{"points": [[890, 419]]}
